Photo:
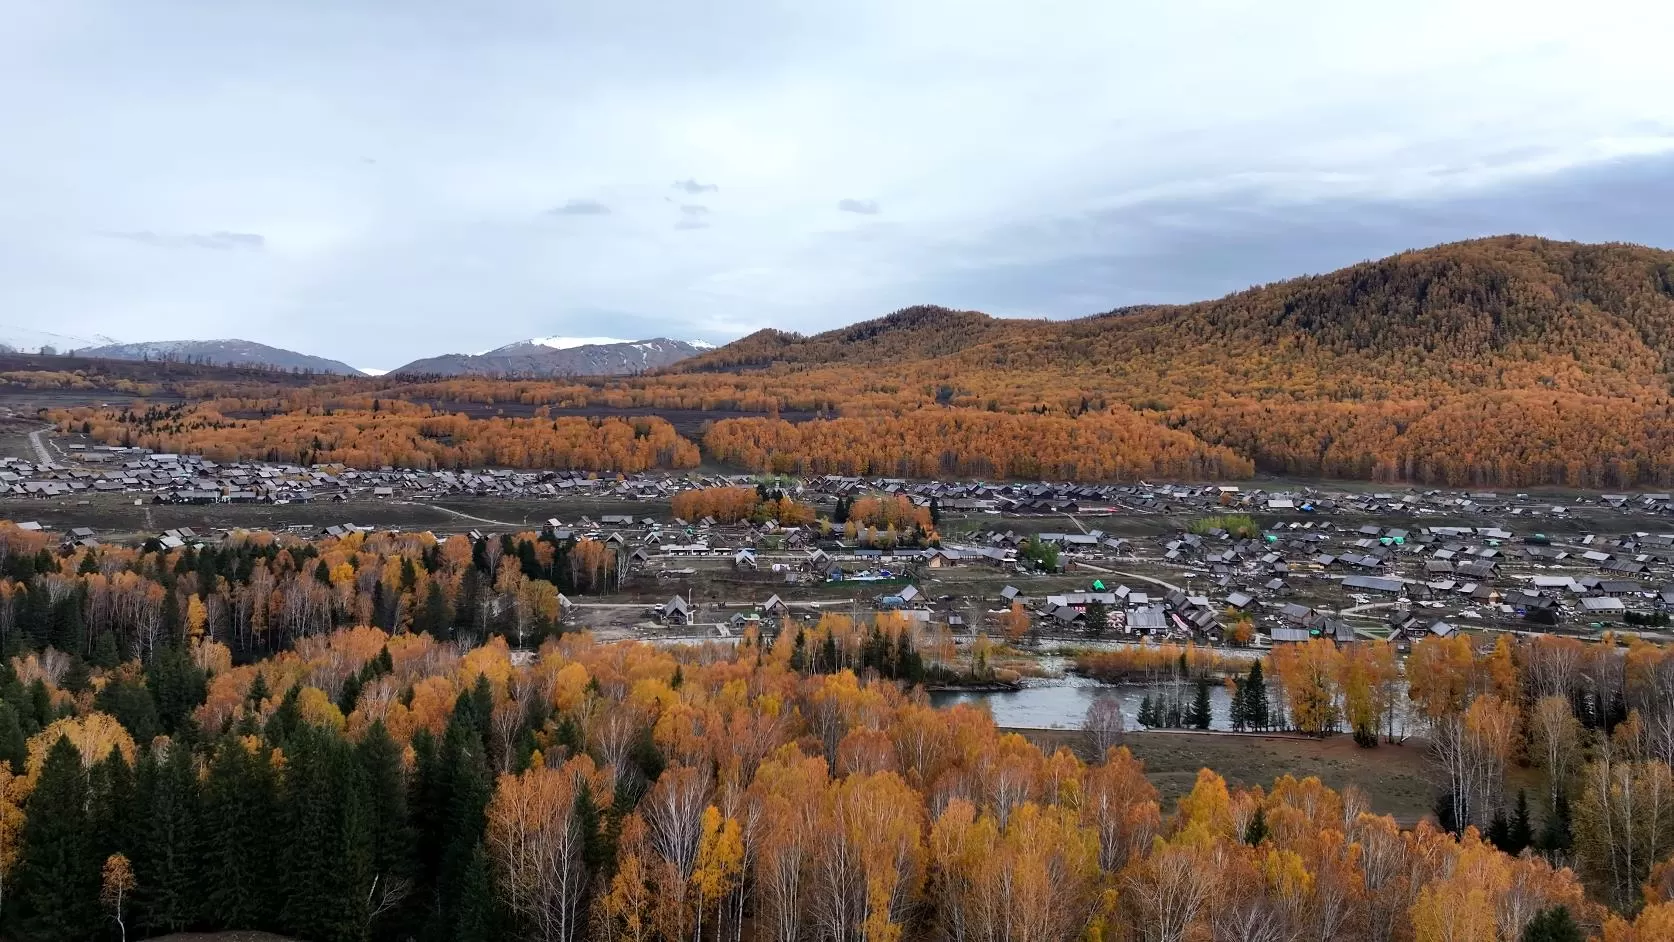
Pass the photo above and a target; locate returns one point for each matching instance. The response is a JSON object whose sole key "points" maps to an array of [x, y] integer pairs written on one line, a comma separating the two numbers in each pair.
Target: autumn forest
{"points": [[334, 739], [1509, 361]]}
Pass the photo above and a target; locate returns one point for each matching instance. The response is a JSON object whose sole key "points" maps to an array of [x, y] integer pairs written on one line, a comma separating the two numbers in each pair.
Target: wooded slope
{"points": [[1504, 361]]}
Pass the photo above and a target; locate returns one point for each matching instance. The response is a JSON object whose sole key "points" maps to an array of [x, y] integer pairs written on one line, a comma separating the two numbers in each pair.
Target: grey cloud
{"points": [[221, 241], [691, 224], [581, 208], [693, 187], [1182, 250], [692, 209], [863, 207]]}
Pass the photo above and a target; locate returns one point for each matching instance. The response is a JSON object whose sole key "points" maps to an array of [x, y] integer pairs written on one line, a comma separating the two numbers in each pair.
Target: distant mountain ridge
{"points": [[31, 340], [555, 356], [219, 353]]}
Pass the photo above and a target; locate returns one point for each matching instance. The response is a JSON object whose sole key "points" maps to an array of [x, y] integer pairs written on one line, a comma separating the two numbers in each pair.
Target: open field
{"points": [[1396, 778]]}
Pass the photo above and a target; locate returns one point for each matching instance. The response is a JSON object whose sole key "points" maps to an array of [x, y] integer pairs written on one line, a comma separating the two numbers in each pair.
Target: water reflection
{"points": [[1062, 706]]}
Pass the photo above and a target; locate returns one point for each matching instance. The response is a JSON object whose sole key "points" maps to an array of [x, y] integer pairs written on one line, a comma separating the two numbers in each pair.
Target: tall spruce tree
{"points": [[113, 812], [391, 862], [1201, 713], [178, 685], [1257, 709], [1240, 713], [166, 854], [464, 822], [58, 872], [1098, 618], [326, 848], [14, 748], [1552, 925], [240, 807]]}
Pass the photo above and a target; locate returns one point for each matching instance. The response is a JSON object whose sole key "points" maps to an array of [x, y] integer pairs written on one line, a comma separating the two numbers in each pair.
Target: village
{"points": [[1040, 564]]}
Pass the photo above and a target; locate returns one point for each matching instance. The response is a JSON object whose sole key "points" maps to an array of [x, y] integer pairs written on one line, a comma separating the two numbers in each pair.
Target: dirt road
{"points": [[42, 455]]}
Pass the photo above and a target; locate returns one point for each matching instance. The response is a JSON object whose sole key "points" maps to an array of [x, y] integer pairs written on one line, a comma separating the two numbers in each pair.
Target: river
{"points": [[1063, 704]]}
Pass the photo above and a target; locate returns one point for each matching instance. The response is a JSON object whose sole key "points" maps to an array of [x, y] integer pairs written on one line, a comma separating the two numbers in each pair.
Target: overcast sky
{"points": [[378, 180]]}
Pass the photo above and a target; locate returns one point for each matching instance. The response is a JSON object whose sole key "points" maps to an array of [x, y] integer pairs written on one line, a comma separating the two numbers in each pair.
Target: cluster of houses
{"points": [[1025, 498], [193, 479]]}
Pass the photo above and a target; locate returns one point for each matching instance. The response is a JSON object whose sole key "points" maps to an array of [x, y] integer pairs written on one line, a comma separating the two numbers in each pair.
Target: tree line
{"points": [[259, 593]]}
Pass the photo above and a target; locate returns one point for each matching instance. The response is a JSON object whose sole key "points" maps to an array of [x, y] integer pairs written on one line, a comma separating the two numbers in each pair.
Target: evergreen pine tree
{"points": [[1555, 835], [1552, 925], [595, 851], [1200, 713], [41, 710], [178, 685], [57, 874], [14, 748], [240, 806], [1521, 832], [1256, 831], [105, 652], [172, 633], [323, 860], [474, 903], [285, 721], [1499, 831], [828, 656], [463, 826], [1240, 705], [391, 860], [68, 632], [1257, 709], [349, 695], [77, 677], [165, 853], [258, 691], [799, 652], [129, 701], [434, 616], [1098, 618], [1148, 712], [1447, 813], [113, 813]]}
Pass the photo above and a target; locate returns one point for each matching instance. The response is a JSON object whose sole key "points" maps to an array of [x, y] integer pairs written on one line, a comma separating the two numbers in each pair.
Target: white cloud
{"points": [[391, 175]]}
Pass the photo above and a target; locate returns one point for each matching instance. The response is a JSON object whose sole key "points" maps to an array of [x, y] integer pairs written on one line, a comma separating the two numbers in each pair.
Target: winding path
{"points": [[457, 513], [1129, 575]]}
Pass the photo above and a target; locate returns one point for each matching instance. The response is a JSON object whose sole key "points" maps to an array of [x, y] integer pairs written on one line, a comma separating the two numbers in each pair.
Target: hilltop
{"points": [[238, 353], [1510, 360], [1505, 313], [542, 357]]}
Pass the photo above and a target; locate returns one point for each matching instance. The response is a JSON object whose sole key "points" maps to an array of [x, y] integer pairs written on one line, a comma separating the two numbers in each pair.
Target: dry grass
{"points": [[1396, 778]]}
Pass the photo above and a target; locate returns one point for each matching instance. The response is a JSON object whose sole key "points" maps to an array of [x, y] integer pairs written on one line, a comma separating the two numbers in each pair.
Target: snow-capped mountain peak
{"points": [[228, 352], [561, 356], [32, 340], [566, 343]]}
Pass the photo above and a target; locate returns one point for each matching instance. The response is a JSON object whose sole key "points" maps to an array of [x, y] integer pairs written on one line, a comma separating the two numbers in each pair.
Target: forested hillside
{"points": [[1502, 362], [1506, 361]]}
